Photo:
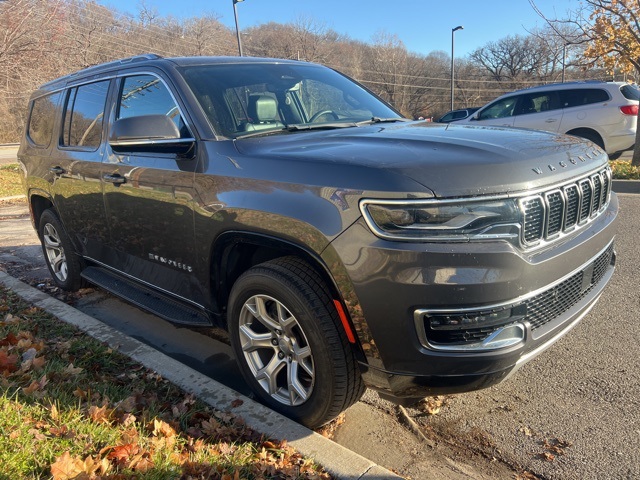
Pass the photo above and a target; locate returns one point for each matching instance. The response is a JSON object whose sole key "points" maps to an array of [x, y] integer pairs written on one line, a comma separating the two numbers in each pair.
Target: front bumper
{"points": [[400, 286]]}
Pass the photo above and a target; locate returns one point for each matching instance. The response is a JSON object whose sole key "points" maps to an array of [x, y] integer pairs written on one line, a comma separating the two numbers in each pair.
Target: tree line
{"points": [[44, 39]]}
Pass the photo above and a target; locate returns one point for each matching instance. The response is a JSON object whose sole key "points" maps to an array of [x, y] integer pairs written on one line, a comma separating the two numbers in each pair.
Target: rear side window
{"points": [[42, 118], [583, 96], [630, 92], [84, 115]]}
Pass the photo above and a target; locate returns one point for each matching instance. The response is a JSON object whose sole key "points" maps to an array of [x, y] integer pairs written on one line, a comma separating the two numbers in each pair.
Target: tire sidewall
{"points": [[260, 282], [74, 268]]}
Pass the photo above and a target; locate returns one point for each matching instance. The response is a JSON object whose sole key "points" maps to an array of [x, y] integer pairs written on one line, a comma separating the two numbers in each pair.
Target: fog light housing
{"points": [[465, 327]]}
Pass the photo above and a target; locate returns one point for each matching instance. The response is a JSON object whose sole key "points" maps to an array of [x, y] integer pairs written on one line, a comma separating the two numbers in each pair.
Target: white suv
{"points": [[603, 112]]}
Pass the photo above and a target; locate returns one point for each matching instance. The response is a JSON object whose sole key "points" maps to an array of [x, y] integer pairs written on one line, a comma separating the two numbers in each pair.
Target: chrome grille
{"points": [[548, 214]]}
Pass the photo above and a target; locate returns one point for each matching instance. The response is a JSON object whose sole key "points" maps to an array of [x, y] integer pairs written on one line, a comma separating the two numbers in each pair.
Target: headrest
{"points": [[263, 108]]}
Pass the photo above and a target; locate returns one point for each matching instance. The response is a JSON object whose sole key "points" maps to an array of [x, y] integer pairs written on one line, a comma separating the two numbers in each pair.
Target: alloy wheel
{"points": [[276, 350], [55, 253]]}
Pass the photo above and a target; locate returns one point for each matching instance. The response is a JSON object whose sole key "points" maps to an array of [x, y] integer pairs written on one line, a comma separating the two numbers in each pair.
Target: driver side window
{"points": [[148, 95], [500, 109]]}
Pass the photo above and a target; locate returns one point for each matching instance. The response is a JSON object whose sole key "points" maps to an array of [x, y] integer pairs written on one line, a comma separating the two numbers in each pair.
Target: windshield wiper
{"points": [[373, 120], [296, 127]]}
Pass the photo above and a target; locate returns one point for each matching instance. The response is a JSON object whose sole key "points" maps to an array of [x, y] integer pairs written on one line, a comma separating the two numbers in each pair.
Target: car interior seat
{"points": [[263, 113]]}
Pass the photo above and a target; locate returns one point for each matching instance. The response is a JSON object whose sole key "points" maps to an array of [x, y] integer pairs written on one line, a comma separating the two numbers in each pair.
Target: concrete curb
{"points": [[626, 186], [337, 460]]}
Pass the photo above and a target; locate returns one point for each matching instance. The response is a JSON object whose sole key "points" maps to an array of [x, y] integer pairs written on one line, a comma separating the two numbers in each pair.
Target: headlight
{"points": [[430, 220]]}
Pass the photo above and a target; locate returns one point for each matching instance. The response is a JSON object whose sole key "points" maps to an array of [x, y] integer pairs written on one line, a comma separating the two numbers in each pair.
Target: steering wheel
{"points": [[317, 115]]}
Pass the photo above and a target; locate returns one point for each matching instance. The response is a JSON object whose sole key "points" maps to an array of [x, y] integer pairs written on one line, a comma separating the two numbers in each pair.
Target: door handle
{"points": [[57, 170], [115, 178], [551, 120]]}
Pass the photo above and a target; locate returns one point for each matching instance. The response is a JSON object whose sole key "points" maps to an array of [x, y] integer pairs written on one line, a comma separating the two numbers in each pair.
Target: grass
{"points": [[10, 180], [71, 408]]}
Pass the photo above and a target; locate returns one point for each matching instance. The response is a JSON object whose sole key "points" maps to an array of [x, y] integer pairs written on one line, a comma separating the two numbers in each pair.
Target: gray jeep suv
{"points": [[341, 245]]}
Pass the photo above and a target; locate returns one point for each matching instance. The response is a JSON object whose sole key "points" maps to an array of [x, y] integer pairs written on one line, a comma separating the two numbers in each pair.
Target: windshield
{"points": [[242, 99]]}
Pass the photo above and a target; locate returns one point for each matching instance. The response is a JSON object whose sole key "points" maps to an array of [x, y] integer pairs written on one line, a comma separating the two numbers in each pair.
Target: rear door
{"points": [[149, 196], [76, 166]]}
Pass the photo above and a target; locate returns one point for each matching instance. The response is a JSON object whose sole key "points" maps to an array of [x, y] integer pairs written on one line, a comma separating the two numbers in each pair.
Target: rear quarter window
{"points": [[583, 96], [630, 92], [42, 119]]}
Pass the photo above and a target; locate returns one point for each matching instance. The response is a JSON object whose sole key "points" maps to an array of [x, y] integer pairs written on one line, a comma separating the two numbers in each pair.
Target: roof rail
{"points": [[103, 66], [115, 63]]}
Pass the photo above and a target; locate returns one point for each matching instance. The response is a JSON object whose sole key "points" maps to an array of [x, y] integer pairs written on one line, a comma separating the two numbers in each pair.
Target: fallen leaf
{"points": [[549, 457], [71, 370], [122, 454], [526, 430], [66, 467], [99, 414], [161, 428], [236, 403], [8, 363]]}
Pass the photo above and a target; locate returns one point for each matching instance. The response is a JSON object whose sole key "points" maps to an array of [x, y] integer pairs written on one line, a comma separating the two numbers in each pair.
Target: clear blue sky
{"points": [[423, 25]]}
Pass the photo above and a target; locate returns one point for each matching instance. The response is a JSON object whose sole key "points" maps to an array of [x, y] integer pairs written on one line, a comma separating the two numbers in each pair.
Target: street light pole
{"points": [[564, 54], [453, 31], [235, 15]]}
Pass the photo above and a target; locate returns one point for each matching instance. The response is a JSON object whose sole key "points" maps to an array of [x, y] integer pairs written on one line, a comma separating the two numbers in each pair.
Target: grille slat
{"points": [[587, 199], [573, 203], [555, 203], [548, 214]]}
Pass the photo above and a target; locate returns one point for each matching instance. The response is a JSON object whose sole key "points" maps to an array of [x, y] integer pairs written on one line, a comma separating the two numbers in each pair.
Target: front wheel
{"points": [[289, 343], [63, 262]]}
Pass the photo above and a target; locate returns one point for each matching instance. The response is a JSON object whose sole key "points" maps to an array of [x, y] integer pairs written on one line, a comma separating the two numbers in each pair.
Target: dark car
{"points": [[341, 245], [455, 115]]}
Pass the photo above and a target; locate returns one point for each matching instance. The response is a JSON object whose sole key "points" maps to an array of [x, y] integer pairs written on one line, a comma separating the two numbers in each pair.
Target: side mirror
{"points": [[148, 134]]}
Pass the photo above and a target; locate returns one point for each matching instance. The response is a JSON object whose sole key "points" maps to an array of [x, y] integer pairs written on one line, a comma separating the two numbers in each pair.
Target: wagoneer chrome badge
{"points": [[171, 263]]}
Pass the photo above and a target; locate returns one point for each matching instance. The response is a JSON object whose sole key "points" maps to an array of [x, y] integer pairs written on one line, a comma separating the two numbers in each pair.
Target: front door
{"points": [[149, 197]]}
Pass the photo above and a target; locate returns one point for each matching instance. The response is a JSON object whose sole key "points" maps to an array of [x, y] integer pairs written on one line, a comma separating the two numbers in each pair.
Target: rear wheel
{"points": [[289, 343], [63, 262]]}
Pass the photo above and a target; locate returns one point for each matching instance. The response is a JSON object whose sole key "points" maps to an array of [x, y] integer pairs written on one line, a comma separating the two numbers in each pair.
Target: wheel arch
{"points": [[589, 134], [235, 252], [39, 201]]}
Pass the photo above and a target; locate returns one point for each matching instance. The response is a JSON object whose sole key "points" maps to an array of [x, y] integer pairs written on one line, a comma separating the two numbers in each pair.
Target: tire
{"points": [[289, 342], [65, 265], [615, 156]]}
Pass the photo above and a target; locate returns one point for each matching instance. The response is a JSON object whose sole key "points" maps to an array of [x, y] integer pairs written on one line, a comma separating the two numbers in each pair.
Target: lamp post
{"points": [[564, 54], [453, 31], [235, 15]]}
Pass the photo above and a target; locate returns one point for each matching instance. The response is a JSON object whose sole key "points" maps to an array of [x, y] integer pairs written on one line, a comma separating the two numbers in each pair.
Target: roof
{"points": [[153, 59]]}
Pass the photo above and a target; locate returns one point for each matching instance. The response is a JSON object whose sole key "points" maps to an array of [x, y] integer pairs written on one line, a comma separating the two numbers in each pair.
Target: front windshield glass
{"points": [[242, 99]]}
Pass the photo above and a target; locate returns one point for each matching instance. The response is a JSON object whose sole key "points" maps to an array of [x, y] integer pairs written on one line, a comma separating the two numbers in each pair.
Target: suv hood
{"points": [[451, 160]]}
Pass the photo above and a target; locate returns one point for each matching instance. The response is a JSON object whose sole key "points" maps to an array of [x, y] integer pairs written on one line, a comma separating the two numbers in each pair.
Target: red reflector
{"points": [[345, 322], [629, 109]]}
